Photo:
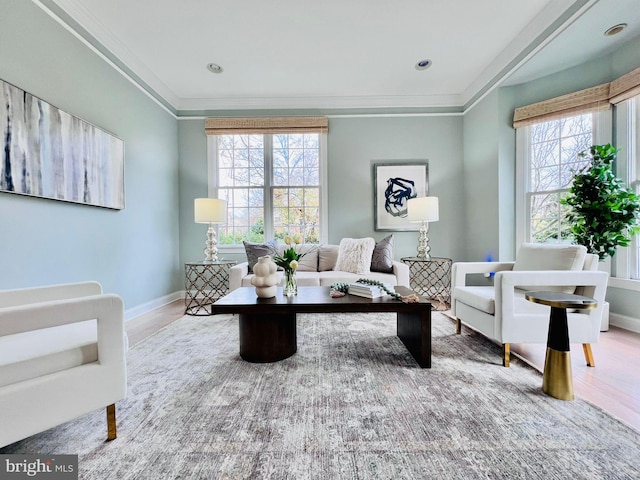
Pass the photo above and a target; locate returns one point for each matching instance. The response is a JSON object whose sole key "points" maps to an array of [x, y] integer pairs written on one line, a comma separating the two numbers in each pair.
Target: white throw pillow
{"points": [[354, 255]]}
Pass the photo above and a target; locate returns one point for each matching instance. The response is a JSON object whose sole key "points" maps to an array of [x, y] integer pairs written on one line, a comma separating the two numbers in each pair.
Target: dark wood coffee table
{"points": [[268, 326]]}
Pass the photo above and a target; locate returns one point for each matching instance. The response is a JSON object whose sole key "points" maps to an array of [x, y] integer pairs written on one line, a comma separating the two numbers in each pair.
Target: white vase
{"points": [[265, 278]]}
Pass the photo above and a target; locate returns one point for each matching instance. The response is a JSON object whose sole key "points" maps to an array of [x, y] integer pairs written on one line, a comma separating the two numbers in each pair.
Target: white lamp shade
{"points": [[423, 209], [210, 210]]}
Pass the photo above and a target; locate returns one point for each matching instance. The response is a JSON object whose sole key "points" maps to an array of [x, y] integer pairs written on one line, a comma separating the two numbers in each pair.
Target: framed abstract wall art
{"points": [[49, 153], [394, 184]]}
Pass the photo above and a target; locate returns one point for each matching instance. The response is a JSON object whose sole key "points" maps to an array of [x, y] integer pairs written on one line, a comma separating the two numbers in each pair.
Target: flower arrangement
{"points": [[289, 263], [289, 258]]}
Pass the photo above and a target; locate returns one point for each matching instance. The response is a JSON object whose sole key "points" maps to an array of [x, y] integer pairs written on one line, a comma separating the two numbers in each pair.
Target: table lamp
{"points": [[423, 210], [211, 211]]}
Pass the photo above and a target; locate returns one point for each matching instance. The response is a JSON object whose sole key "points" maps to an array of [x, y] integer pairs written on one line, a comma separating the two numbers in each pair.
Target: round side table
{"points": [[557, 379]]}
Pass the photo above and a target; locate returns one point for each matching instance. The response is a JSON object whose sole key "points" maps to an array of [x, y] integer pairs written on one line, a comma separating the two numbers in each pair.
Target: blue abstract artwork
{"points": [[49, 153], [395, 184]]}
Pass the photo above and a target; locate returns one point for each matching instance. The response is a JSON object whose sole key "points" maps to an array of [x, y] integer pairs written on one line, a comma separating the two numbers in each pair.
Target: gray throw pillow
{"points": [[382, 259], [257, 250]]}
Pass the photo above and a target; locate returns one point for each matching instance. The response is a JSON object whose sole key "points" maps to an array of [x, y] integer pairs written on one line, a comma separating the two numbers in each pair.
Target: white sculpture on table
{"points": [[265, 278]]}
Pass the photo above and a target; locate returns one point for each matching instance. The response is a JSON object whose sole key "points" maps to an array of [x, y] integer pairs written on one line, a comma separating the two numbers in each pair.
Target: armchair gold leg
{"points": [[506, 354], [111, 421], [588, 354], [458, 326]]}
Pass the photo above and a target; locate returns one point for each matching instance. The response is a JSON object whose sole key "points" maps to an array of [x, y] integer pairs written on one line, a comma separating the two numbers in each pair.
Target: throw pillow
{"points": [[257, 250], [327, 257], [354, 255], [309, 262], [382, 259]]}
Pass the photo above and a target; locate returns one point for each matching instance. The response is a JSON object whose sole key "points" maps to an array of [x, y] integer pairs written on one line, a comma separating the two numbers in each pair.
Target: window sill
{"points": [[230, 249], [625, 283]]}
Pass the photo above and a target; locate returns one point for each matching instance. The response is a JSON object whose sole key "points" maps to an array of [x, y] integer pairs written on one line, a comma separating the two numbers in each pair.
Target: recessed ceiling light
{"points": [[423, 64], [615, 29], [214, 68]]}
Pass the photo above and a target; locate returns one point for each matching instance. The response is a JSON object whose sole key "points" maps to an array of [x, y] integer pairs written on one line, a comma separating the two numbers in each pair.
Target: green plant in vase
{"points": [[604, 213], [289, 263]]}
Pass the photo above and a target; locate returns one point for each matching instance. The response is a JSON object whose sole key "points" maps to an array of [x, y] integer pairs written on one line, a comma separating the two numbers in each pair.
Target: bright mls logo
{"points": [[55, 467]]}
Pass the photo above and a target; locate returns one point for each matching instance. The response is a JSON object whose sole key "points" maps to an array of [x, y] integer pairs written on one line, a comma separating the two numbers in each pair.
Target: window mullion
{"points": [[268, 186]]}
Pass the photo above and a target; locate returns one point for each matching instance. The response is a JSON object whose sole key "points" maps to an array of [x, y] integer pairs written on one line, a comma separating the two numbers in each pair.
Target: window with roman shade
{"points": [[271, 171]]}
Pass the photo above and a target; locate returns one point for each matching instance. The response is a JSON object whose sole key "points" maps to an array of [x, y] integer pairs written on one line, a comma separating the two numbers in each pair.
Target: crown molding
{"points": [[548, 24], [74, 16], [260, 103], [552, 20]]}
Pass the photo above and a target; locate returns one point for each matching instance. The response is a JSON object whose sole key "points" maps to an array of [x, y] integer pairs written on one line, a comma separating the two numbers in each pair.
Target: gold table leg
{"points": [[557, 380]]}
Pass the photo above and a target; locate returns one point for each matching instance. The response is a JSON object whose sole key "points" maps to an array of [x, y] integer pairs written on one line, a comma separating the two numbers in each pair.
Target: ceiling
{"points": [[340, 53]]}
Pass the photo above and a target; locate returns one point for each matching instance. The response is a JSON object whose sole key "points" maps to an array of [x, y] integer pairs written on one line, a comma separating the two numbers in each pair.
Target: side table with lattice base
{"points": [[205, 282], [431, 279]]}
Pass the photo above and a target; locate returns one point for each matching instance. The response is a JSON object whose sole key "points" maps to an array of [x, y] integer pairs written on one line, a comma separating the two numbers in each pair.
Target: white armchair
{"points": [[62, 355], [501, 312]]}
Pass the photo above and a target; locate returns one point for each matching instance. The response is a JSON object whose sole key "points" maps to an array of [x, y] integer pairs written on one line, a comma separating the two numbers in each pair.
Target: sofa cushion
{"points": [[32, 354], [327, 257], [354, 255], [480, 298], [541, 256], [382, 258], [329, 277], [483, 299], [309, 262], [257, 250], [303, 279]]}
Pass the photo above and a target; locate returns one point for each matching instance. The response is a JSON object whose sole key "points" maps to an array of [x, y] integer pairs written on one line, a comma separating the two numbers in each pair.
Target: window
{"points": [[627, 261], [272, 184], [550, 160], [634, 165]]}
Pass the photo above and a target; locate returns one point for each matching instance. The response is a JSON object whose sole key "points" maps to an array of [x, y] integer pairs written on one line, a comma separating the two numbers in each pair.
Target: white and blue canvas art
{"points": [[49, 153], [394, 185]]}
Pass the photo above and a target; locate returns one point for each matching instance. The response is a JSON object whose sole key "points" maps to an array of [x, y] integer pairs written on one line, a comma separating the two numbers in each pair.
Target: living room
{"points": [[139, 252]]}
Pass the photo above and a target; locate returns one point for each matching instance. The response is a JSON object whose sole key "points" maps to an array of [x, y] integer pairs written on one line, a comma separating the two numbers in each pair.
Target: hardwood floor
{"points": [[613, 384]]}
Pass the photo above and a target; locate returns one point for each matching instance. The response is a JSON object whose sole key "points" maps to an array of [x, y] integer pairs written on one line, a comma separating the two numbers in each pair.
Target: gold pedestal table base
{"points": [[557, 380]]}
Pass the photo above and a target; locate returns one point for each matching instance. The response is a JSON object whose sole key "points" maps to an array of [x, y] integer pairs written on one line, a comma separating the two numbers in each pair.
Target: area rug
{"points": [[351, 404]]}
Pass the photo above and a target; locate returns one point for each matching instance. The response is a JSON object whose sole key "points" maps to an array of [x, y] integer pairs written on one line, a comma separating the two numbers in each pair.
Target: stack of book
{"points": [[368, 291]]}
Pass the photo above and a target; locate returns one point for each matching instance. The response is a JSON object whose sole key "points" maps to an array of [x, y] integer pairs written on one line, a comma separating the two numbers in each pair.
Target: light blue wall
{"points": [[192, 143], [353, 144], [481, 180], [132, 252]]}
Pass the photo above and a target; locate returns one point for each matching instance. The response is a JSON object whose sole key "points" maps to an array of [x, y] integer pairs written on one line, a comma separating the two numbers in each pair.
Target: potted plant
{"points": [[604, 214]]}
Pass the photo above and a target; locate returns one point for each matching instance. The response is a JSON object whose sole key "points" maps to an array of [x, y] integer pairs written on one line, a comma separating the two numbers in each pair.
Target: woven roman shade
{"points": [[583, 101], [625, 87], [244, 125]]}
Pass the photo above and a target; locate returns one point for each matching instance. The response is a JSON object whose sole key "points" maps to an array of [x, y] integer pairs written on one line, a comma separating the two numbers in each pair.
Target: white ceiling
{"points": [[339, 53]]}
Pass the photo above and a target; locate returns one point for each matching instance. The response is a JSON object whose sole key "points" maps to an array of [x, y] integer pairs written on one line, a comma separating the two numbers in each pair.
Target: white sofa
{"points": [[62, 355], [316, 268], [501, 312]]}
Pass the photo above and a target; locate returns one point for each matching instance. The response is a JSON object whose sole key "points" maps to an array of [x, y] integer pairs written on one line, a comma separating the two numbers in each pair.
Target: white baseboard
{"points": [[623, 321], [150, 306]]}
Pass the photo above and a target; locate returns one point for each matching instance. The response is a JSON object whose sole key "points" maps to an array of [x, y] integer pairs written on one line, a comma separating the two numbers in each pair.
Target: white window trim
{"points": [[623, 258], [212, 168]]}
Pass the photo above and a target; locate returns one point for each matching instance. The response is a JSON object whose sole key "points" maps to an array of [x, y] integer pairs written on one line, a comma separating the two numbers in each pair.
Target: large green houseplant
{"points": [[604, 214]]}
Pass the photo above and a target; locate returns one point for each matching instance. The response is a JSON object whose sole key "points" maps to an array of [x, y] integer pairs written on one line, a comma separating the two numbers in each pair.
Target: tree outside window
{"points": [[553, 160], [272, 185]]}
